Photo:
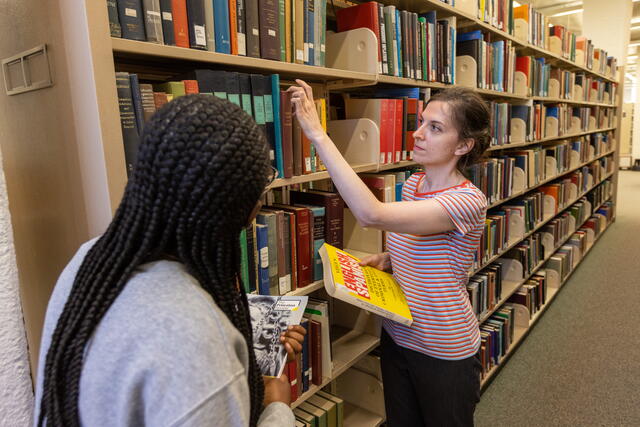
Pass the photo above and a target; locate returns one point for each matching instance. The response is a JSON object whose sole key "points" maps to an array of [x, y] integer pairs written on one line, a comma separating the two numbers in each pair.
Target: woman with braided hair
{"points": [[148, 325]]}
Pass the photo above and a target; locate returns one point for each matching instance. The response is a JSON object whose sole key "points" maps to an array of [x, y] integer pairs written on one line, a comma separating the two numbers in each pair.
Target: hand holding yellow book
{"points": [[365, 287]]}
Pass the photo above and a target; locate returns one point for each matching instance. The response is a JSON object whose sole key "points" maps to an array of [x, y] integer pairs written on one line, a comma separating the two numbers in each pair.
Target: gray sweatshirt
{"points": [[164, 354]]}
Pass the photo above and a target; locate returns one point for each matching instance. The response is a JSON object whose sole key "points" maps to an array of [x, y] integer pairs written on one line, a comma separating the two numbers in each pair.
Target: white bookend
{"points": [[589, 180], [592, 123], [516, 228], [578, 93], [551, 127], [512, 269], [549, 207], [467, 6], [572, 223], [555, 45], [357, 139], [590, 237], [573, 191], [580, 57], [362, 390], [553, 278], [518, 130], [554, 88], [591, 152], [575, 159], [466, 71], [362, 239], [352, 50], [520, 84], [607, 71], [522, 315], [575, 125], [548, 244], [550, 167], [521, 29], [593, 95], [519, 180], [596, 65], [587, 211]]}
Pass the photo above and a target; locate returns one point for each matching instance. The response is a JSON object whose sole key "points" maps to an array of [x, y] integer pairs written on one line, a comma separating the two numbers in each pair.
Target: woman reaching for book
{"points": [[430, 370], [148, 324]]}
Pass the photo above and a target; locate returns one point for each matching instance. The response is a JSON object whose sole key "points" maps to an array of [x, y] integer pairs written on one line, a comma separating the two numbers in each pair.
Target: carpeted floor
{"points": [[580, 365]]}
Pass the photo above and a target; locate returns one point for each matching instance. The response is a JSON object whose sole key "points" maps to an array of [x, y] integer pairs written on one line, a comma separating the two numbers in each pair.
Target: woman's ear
{"points": [[465, 146]]}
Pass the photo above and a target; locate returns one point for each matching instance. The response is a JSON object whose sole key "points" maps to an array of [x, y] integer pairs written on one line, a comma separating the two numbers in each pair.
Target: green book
{"points": [[328, 406], [282, 18], [174, 88], [244, 261], [319, 414], [423, 30], [339, 405], [305, 417]]}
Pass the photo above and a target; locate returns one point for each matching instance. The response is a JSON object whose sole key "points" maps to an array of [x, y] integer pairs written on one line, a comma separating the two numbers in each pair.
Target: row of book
{"points": [[417, 46], [485, 287], [521, 122], [578, 49], [495, 175], [323, 409], [281, 30], [499, 331], [531, 208]]}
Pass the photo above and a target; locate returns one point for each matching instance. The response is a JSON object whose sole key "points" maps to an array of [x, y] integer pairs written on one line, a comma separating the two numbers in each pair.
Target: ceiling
{"points": [[568, 13]]}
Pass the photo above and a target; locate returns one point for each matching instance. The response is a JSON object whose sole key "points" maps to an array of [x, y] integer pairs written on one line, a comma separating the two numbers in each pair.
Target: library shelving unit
{"points": [[94, 57]]}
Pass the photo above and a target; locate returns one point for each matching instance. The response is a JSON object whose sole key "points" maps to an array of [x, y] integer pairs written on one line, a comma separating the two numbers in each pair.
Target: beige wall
{"points": [[41, 164]]}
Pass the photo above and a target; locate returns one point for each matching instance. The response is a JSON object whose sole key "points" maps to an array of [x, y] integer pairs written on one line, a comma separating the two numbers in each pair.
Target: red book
{"points": [[364, 15], [287, 133], [190, 87], [160, 98], [292, 373], [180, 22], [412, 121], [233, 27], [304, 239], [523, 64], [315, 352], [334, 212]]}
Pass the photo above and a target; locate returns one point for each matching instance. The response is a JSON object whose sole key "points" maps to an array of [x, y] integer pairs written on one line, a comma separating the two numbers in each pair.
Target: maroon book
{"points": [[304, 255], [287, 133], [334, 212], [316, 351]]}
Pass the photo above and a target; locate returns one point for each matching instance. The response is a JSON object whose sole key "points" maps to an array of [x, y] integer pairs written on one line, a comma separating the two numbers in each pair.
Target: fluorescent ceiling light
{"points": [[635, 27], [634, 43], [570, 12], [635, 20]]}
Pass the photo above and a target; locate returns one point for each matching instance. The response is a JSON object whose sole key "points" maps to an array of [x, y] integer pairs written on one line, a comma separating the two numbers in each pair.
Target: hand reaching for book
{"points": [[292, 341], [277, 390], [305, 110], [381, 261]]}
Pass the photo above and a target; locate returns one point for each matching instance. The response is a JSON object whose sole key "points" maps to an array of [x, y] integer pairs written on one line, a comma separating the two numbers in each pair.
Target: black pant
{"points": [[422, 391]]}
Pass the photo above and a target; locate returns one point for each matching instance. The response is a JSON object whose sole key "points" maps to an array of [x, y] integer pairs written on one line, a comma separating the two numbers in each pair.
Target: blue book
{"points": [[399, 191], [520, 112], [399, 42], [262, 238], [306, 373], [277, 127], [131, 19], [221, 26], [471, 35], [317, 261], [552, 112], [310, 29], [412, 92], [137, 101]]}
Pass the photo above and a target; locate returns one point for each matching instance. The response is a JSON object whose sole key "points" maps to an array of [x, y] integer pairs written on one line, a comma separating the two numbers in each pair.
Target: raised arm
{"points": [[419, 217]]}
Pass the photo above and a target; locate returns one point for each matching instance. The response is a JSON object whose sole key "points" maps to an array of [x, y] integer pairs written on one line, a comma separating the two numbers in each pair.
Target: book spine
{"points": [[209, 25], [277, 122], [400, 45], [114, 21], [316, 351], [153, 21], [233, 27], [299, 41], [287, 140], [296, 138], [148, 104], [317, 27], [137, 101], [269, 123], [284, 280], [269, 30], [241, 27], [309, 59], [168, 32], [306, 370], [282, 29], [383, 38], [262, 239], [323, 33], [288, 31], [221, 24], [131, 19], [190, 87], [127, 120], [180, 23], [244, 261], [252, 257], [253, 29], [197, 32]]}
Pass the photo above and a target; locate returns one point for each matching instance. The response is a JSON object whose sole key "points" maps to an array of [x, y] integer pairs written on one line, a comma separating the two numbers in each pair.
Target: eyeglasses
{"points": [[273, 175]]}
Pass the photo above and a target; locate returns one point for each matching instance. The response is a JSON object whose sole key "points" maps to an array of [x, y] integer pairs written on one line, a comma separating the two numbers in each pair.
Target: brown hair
{"points": [[472, 118]]}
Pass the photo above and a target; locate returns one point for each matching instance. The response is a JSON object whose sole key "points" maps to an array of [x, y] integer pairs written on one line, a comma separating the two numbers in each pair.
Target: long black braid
{"points": [[202, 166]]}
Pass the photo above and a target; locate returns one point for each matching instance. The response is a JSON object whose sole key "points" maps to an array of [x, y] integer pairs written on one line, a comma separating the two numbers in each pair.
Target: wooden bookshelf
{"points": [[521, 333], [357, 416], [547, 139]]}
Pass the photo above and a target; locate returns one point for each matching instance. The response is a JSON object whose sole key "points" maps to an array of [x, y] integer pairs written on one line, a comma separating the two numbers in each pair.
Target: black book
{"points": [[232, 87], [131, 19], [197, 33], [251, 252], [252, 28], [127, 120], [244, 81], [269, 115], [114, 21], [257, 93], [136, 96], [167, 22], [153, 21], [241, 27]]}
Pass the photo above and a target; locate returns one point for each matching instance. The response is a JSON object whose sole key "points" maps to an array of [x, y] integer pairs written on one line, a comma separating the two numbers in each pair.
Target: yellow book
{"points": [[364, 287]]}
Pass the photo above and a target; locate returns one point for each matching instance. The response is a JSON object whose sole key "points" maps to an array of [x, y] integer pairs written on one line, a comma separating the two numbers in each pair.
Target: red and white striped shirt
{"points": [[432, 271]]}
